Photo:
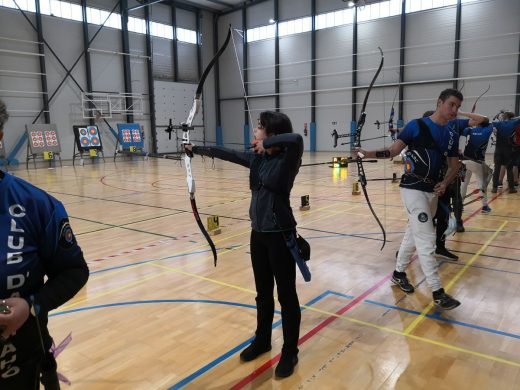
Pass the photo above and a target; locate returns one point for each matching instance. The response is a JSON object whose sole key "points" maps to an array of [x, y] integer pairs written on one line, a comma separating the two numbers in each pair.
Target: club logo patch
{"points": [[423, 217], [67, 239]]}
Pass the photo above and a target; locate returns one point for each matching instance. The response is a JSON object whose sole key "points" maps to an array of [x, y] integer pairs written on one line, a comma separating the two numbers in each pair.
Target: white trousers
{"points": [[420, 234], [484, 175]]}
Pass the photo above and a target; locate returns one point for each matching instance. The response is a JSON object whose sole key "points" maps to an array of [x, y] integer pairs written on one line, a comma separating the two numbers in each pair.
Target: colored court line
{"points": [[311, 333], [454, 280], [137, 282], [333, 316], [436, 316], [491, 246], [231, 352], [270, 363], [150, 301], [169, 270]]}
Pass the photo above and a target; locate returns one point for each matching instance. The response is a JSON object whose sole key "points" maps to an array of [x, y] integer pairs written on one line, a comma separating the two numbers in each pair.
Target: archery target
{"points": [[87, 137], [37, 139], [129, 135], [43, 138], [136, 135], [51, 138]]}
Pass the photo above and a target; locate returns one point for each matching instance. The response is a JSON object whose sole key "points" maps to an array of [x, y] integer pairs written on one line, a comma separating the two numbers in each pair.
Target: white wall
{"points": [[429, 51]]}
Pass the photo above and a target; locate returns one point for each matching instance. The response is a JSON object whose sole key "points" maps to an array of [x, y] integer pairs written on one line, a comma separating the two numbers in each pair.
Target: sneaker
{"points": [[400, 280], [485, 210], [254, 350], [444, 301], [286, 365], [443, 253], [494, 190], [500, 184], [460, 227], [512, 191]]}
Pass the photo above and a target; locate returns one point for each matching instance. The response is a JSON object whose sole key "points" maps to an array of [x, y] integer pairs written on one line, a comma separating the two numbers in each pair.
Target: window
{"points": [[421, 5], [295, 26]]}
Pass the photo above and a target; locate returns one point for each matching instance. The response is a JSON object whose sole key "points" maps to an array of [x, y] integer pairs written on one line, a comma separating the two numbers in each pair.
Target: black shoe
{"points": [[494, 190], [445, 254], [444, 301], [400, 280], [286, 365], [460, 227], [513, 191], [254, 350]]}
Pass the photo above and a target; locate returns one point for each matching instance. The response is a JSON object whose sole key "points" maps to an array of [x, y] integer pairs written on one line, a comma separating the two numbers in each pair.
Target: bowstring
{"points": [[240, 70]]}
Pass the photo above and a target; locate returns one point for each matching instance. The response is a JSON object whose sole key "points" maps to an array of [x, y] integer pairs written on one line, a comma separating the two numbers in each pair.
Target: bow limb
{"points": [[357, 143], [482, 94], [186, 128], [391, 118]]}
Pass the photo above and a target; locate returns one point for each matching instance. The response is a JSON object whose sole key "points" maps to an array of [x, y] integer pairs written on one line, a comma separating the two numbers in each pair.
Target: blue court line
{"points": [[159, 259], [149, 261], [231, 352], [216, 302], [436, 316]]}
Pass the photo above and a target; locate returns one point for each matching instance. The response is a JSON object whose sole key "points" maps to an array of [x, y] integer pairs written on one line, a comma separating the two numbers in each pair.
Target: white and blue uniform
{"points": [[36, 241], [474, 159], [425, 159]]}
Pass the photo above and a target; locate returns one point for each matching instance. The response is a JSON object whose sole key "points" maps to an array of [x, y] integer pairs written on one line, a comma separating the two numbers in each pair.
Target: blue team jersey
{"points": [[35, 241], [35, 237], [477, 142], [506, 131], [424, 165]]}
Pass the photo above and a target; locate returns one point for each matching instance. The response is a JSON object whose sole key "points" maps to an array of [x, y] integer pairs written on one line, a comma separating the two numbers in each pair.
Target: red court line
{"points": [[311, 333], [249, 378]]}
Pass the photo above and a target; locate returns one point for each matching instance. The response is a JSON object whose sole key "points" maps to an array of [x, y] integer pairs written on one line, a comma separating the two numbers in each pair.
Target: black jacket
{"points": [[271, 178]]}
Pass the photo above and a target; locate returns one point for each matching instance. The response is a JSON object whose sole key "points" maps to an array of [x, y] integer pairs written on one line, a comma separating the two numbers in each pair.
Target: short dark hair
{"points": [[3, 115], [275, 123], [428, 113], [451, 92]]}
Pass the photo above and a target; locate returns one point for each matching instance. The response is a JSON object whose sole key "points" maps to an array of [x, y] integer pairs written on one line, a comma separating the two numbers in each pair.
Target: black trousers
{"points": [[450, 198], [503, 156], [272, 262]]}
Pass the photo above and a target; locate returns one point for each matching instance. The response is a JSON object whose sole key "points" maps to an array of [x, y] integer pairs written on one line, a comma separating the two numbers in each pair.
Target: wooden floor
{"points": [[156, 313]]}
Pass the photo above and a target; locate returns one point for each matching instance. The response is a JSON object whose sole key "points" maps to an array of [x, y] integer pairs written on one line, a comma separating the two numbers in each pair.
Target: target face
{"points": [[43, 138], [87, 137], [129, 135]]}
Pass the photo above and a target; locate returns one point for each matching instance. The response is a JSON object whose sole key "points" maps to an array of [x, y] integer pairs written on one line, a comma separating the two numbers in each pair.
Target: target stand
{"points": [[129, 140], [43, 143], [87, 140]]}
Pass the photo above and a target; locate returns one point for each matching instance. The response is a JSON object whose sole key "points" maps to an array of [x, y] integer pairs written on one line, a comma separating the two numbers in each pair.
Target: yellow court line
{"points": [[204, 245], [418, 320], [314, 309], [131, 284], [418, 338], [355, 321], [153, 262], [180, 271]]}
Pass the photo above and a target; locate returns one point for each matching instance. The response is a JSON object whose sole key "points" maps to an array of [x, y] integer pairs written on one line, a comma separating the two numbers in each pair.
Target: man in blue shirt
{"points": [[41, 267], [504, 149], [475, 160], [431, 141]]}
